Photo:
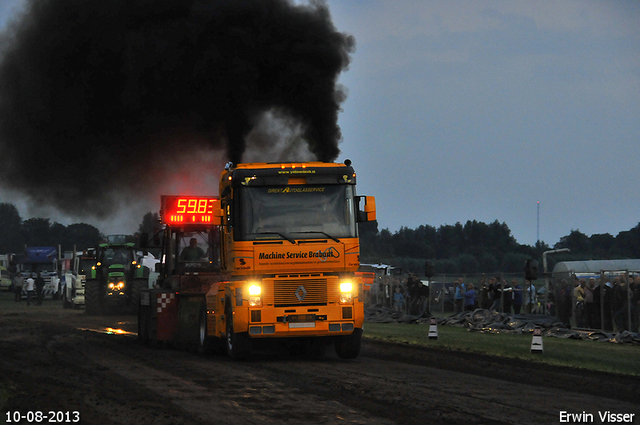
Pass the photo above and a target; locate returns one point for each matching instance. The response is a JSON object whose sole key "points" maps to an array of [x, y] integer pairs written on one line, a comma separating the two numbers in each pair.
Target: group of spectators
{"points": [[597, 306], [492, 294], [583, 303], [495, 294], [33, 285], [406, 295]]}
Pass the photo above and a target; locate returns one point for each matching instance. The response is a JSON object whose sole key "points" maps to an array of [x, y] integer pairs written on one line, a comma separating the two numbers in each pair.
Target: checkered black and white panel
{"points": [[164, 300]]}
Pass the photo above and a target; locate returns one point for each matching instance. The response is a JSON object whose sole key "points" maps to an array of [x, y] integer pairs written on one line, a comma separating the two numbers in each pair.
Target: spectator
{"points": [[18, 282], [549, 305], [396, 284], [39, 288], [496, 293], [589, 304], [635, 304], [564, 302], [578, 302], [388, 295], [31, 287], [607, 306], [380, 291], [459, 296], [529, 296], [470, 298], [597, 304], [517, 296], [620, 305], [398, 299], [507, 296], [408, 299], [485, 295]]}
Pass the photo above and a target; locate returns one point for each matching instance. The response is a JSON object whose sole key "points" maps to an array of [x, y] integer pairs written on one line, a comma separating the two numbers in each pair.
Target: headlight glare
{"points": [[255, 290], [346, 287]]}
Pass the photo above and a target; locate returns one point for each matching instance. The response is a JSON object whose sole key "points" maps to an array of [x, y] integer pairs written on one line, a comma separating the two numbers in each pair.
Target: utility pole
{"points": [[538, 225]]}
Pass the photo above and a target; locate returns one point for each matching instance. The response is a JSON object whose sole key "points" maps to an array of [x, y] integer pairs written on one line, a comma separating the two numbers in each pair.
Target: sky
{"points": [[523, 112]]}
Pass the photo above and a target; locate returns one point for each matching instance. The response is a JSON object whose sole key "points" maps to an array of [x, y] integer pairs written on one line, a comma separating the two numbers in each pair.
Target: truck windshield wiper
{"points": [[290, 239], [323, 233]]}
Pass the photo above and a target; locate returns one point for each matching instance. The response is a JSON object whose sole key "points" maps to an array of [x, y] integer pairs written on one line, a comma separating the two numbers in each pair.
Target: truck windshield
{"points": [[85, 265], [296, 212], [117, 256], [198, 250]]}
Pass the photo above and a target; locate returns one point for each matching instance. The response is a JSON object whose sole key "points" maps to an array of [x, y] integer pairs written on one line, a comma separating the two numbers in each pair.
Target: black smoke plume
{"points": [[100, 99]]}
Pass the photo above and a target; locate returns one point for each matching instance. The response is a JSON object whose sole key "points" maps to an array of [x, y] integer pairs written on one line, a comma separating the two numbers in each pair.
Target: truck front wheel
{"points": [[238, 344], [205, 344]]}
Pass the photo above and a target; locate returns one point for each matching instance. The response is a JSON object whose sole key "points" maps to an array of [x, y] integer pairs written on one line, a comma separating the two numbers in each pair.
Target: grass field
{"points": [[593, 355]]}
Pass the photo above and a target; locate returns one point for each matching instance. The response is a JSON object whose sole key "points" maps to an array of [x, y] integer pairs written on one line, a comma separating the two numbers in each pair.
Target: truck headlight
{"points": [[255, 298], [346, 289]]}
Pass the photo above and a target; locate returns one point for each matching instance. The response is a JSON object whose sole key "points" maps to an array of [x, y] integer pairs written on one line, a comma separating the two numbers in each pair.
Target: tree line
{"points": [[15, 233], [470, 248], [477, 247]]}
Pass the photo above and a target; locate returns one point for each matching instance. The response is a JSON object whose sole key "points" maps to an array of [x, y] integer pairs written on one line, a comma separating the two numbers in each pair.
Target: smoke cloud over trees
{"points": [[104, 102]]}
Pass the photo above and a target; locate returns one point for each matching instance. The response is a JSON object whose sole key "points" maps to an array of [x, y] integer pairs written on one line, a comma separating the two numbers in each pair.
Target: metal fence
{"points": [[442, 293], [609, 301]]}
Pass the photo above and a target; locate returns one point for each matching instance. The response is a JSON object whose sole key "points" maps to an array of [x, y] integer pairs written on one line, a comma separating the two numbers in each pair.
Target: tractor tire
{"points": [[348, 346], [134, 296], [93, 298], [238, 345]]}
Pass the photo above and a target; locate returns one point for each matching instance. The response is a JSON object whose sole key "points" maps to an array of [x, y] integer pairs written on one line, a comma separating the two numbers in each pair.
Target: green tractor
{"points": [[114, 283]]}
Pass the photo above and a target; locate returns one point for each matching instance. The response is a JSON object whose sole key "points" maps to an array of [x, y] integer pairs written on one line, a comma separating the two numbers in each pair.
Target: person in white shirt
{"points": [[31, 288]]}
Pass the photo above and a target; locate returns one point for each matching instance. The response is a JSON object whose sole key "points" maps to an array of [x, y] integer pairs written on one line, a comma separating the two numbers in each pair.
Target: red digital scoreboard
{"points": [[190, 209]]}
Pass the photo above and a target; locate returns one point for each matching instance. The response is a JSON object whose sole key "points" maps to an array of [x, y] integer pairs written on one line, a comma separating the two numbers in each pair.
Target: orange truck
{"points": [[273, 258]]}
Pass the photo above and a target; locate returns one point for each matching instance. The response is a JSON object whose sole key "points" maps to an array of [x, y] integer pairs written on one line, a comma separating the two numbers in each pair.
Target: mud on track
{"points": [[49, 363]]}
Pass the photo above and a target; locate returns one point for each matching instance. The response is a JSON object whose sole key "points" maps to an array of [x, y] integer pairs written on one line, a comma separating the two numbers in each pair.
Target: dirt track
{"points": [[49, 362]]}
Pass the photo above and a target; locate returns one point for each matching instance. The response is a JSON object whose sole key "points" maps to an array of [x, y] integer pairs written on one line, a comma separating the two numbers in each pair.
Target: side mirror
{"points": [[218, 215], [368, 211]]}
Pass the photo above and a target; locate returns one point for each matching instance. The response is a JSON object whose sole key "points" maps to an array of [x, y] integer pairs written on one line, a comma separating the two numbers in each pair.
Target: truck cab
{"points": [[75, 279], [272, 259], [43, 260]]}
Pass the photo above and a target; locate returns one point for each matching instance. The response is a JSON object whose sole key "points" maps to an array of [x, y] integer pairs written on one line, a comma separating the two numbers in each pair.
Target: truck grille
{"points": [[298, 292]]}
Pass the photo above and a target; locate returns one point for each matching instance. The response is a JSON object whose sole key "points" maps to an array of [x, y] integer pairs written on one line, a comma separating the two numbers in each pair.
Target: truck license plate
{"points": [[301, 318]]}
